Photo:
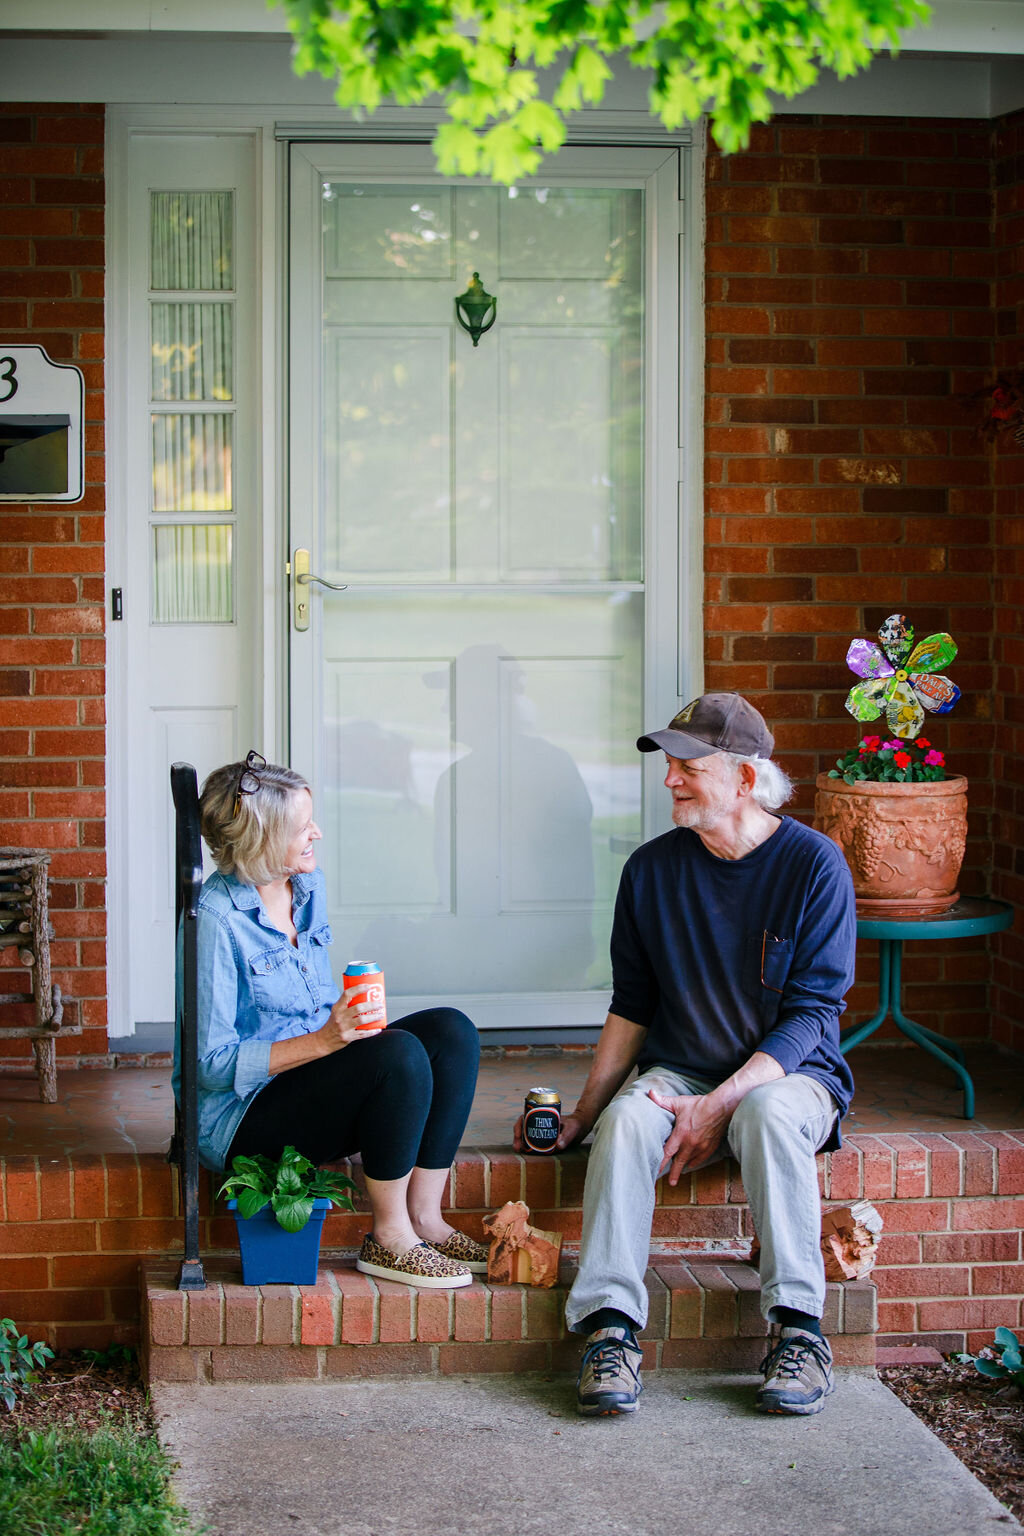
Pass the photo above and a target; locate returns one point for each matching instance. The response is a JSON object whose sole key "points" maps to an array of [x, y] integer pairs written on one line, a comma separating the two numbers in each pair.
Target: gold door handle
{"points": [[301, 579]]}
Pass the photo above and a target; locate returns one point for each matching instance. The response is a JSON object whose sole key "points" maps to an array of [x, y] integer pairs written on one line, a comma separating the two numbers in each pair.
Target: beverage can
{"points": [[542, 1119], [368, 980]]}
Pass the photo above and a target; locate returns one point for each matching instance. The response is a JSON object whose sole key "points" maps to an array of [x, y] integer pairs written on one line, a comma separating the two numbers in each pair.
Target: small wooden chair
{"points": [[25, 921]]}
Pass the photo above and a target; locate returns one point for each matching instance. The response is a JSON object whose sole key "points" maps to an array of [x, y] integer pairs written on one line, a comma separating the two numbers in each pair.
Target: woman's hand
{"points": [[350, 1021]]}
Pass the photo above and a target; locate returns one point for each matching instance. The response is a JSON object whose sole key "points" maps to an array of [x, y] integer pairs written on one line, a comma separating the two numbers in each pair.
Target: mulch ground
{"points": [[980, 1421], [79, 1392]]}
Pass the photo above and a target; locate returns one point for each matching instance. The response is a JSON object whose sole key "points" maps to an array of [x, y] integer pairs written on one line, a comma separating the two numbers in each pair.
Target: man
{"points": [[732, 949]]}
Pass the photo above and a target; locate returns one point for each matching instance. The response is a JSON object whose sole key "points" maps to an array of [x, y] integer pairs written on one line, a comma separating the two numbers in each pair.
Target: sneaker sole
{"points": [[593, 1411], [422, 1282], [801, 1410]]}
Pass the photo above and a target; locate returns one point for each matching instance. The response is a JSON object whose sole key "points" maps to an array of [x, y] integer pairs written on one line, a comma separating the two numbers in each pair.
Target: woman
{"points": [[284, 1060]]}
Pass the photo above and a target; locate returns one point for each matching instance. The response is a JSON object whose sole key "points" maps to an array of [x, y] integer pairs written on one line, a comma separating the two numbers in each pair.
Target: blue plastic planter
{"points": [[272, 1256]]}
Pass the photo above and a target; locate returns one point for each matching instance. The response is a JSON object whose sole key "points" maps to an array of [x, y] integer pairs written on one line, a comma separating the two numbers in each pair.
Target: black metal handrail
{"points": [[188, 881]]}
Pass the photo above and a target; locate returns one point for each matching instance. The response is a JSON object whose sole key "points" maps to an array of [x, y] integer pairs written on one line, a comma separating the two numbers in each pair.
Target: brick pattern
{"points": [[849, 264], [52, 557], [700, 1314], [1008, 593], [951, 1262]]}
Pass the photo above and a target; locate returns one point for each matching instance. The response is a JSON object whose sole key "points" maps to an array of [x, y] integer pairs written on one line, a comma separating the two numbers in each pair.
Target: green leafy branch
{"points": [[726, 58], [20, 1362], [289, 1186]]}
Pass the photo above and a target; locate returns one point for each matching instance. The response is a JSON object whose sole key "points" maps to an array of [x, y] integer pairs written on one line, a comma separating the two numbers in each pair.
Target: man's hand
{"points": [[698, 1133], [573, 1129]]}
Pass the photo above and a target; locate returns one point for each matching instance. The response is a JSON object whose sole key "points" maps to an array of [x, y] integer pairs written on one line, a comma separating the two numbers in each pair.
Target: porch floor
{"points": [[128, 1109]]}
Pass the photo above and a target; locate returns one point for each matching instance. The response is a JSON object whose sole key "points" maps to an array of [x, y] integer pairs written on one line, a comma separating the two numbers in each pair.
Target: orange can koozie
{"points": [[368, 980]]}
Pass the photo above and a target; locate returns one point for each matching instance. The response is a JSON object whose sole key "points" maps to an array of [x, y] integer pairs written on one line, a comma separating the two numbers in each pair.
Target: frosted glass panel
{"points": [[387, 231], [386, 443], [192, 579], [567, 232], [571, 460], [191, 238], [192, 463], [387, 745], [192, 352], [482, 785]]}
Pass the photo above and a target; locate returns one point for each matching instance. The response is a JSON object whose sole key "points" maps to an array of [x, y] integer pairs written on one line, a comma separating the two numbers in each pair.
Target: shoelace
{"points": [[789, 1355], [605, 1358]]}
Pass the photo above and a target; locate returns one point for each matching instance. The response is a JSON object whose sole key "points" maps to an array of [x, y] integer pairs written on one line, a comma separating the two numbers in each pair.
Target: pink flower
{"points": [[934, 759], [891, 745], [870, 743], [902, 759]]}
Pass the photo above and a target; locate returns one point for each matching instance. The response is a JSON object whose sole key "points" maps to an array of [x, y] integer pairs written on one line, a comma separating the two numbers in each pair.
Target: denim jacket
{"points": [[254, 988]]}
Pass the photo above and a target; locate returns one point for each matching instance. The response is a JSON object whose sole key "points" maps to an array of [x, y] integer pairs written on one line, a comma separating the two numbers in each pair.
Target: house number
{"points": [[8, 370]]}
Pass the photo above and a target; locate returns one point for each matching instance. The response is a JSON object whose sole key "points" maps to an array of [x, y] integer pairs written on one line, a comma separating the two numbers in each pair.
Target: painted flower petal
{"points": [[866, 660], [897, 637], [935, 692], [865, 700], [903, 712], [932, 654]]}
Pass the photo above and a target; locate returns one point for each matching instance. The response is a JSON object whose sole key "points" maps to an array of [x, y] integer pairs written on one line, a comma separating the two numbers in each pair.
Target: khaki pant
{"points": [[774, 1135]]}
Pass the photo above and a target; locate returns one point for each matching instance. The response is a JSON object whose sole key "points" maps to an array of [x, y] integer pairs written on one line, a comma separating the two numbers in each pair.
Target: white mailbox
{"points": [[42, 450]]}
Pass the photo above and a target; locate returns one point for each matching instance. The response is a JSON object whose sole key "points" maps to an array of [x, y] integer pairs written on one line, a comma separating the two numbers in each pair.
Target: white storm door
{"points": [[467, 708]]}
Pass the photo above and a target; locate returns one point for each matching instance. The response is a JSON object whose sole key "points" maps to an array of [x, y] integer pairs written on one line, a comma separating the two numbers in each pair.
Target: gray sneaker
{"points": [[797, 1374], [609, 1379]]}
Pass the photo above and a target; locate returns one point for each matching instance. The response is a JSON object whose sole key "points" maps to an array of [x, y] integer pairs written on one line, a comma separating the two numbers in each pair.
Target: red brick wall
{"points": [[1008, 596], [849, 265], [52, 557]]}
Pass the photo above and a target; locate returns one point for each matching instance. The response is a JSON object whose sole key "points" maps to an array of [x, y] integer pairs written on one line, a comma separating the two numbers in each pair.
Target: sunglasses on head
{"points": [[249, 778]]}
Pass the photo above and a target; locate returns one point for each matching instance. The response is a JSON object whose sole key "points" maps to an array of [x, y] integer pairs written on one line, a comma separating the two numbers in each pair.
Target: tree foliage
{"points": [[483, 58]]}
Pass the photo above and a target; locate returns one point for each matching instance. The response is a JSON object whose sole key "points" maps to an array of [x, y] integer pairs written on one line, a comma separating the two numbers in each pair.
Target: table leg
{"points": [[926, 1038], [859, 1032]]}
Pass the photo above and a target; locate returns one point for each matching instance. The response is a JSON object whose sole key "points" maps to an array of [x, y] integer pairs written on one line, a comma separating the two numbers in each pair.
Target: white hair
{"points": [[772, 786]]}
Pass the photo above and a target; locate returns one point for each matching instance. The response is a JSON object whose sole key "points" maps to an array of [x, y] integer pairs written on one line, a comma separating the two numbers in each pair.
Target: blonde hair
{"points": [[251, 846]]}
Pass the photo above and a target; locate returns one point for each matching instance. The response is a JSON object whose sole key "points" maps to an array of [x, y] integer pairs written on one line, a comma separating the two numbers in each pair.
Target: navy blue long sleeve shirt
{"points": [[719, 958]]}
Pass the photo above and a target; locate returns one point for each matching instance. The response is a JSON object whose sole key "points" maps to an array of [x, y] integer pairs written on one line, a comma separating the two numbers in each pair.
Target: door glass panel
{"points": [[191, 240], [478, 782], [192, 463], [481, 791], [192, 573], [192, 351]]}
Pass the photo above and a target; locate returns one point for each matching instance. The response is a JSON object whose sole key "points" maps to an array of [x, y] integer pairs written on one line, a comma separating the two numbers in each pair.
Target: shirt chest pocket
{"points": [[273, 980], [766, 963], [319, 958]]}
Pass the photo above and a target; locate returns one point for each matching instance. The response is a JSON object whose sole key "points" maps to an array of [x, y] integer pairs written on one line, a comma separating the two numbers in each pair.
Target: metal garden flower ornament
{"points": [[901, 680]]}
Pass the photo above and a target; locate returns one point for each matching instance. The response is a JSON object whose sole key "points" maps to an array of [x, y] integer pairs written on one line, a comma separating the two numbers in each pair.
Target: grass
{"points": [[67, 1481]]}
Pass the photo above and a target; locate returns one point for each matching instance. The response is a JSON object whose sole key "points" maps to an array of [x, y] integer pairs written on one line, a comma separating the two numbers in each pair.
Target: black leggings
{"points": [[400, 1098]]}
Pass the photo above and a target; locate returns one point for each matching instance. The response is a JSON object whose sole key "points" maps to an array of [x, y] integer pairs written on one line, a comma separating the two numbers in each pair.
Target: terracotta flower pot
{"points": [[904, 843]]}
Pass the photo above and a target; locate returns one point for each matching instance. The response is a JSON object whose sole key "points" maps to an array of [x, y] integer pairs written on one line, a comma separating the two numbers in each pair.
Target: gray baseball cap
{"points": [[716, 722]]}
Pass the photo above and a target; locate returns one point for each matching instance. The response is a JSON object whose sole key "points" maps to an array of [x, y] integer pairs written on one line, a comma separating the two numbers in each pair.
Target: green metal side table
{"points": [[960, 922]]}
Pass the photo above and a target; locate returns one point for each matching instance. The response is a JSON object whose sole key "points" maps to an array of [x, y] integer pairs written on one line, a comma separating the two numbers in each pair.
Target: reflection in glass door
{"points": [[476, 689]]}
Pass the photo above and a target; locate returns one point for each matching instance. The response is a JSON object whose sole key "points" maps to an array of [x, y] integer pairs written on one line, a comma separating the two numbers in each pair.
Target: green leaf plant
{"points": [[1000, 1360], [891, 761], [20, 1362], [289, 1186], [482, 58]]}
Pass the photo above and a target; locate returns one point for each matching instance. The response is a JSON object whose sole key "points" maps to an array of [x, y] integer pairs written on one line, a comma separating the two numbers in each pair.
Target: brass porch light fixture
{"points": [[476, 310]]}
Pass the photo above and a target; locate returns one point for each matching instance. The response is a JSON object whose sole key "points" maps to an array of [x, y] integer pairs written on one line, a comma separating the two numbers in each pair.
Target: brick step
{"points": [[704, 1315]]}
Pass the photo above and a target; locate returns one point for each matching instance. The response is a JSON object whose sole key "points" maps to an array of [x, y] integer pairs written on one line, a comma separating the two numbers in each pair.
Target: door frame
{"points": [[273, 133]]}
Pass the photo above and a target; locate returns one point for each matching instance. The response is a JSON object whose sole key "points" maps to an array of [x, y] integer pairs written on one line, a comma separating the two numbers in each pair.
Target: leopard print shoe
{"points": [[421, 1266], [464, 1250]]}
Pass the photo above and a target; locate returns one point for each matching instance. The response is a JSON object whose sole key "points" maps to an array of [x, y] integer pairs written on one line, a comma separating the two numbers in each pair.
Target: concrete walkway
{"points": [[500, 1456]]}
